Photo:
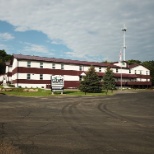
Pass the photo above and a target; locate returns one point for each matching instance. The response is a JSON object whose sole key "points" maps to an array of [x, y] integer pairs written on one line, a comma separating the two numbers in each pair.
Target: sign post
{"points": [[57, 83]]}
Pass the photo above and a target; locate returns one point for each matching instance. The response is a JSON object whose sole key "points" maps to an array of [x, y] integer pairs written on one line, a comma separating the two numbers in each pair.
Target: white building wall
{"points": [[46, 77], [48, 65], [7, 69], [120, 64], [14, 65], [22, 63], [30, 85], [140, 70], [123, 70], [34, 76], [71, 78], [71, 67]]}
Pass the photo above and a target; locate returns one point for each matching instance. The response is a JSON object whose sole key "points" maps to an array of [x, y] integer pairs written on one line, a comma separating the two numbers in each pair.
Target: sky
{"points": [[89, 30]]}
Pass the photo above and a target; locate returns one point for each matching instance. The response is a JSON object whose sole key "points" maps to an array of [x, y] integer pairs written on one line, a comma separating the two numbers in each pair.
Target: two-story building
{"points": [[35, 72]]}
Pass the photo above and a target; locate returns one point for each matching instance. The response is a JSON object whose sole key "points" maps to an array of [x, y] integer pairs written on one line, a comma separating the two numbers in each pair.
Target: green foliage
{"points": [[2, 67], [150, 65], [132, 61], [91, 82], [3, 58], [108, 80]]}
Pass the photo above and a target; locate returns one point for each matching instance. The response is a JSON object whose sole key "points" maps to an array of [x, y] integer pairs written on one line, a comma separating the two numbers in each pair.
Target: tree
{"points": [[150, 65], [3, 58], [132, 61], [91, 82], [108, 80]]}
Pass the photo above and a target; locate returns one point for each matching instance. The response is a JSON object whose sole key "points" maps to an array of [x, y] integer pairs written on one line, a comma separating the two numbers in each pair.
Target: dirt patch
{"points": [[6, 148]]}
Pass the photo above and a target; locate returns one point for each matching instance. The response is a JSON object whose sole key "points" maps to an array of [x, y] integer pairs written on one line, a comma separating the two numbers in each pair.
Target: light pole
{"points": [[124, 50], [124, 41]]}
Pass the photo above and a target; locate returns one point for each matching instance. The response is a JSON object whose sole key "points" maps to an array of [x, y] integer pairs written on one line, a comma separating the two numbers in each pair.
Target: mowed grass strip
{"points": [[43, 92]]}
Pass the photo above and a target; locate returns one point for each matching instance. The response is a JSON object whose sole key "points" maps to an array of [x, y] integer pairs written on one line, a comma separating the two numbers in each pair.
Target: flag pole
{"points": [[120, 61]]}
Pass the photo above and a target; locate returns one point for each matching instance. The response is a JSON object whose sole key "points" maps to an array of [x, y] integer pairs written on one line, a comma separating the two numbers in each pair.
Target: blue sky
{"points": [[83, 29]]}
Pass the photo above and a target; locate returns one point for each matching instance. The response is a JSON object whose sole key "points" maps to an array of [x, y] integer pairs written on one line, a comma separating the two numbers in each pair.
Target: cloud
{"points": [[87, 28], [6, 36], [34, 48]]}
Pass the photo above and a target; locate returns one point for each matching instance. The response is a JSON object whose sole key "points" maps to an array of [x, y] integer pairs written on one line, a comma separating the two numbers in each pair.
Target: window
{"points": [[147, 73], [28, 76], [53, 66], [41, 76], [135, 79], [41, 64], [140, 72], [135, 71], [116, 70], [100, 69], [129, 70], [80, 78], [62, 66], [80, 68], [29, 64]]}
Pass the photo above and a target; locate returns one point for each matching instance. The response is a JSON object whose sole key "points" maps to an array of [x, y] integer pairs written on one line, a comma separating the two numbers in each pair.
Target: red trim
{"points": [[133, 83], [32, 81], [143, 76], [67, 84], [118, 75], [14, 71], [9, 74], [45, 71], [71, 72], [71, 84]]}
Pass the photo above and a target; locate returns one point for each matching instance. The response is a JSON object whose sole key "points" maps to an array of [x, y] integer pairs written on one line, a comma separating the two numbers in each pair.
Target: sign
{"points": [[57, 82]]}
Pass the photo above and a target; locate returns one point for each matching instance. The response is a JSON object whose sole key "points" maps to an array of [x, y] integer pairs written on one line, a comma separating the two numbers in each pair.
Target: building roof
{"points": [[59, 60], [133, 65]]}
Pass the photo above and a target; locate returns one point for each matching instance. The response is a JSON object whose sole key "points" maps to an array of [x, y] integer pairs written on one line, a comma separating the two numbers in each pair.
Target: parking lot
{"points": [[119, 124]]}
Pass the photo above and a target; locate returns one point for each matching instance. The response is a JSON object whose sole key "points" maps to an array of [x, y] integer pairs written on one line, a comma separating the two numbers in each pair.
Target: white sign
{"points": [[57, 82]]}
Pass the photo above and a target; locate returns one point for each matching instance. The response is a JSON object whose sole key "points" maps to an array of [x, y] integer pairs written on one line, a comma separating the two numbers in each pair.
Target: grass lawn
{"points": [[42, 92]]}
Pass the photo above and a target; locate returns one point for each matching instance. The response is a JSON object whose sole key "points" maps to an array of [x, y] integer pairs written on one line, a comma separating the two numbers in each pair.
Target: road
{"points": [[119, 124]]}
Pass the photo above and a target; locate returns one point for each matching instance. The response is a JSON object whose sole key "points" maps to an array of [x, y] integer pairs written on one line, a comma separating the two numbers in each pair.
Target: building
{"points": [[35, 72]]}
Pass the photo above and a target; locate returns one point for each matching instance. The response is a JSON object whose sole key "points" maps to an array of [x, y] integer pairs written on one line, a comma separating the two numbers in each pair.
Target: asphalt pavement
{"points": [[119, 124]]}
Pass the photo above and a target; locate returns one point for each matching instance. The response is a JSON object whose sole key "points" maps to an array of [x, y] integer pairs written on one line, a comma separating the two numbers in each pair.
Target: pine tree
{"points": [[108, 80], [91, 82]]}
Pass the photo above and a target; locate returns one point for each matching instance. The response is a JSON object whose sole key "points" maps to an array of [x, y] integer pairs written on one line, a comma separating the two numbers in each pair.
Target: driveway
{"points": [[119, 124]]}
